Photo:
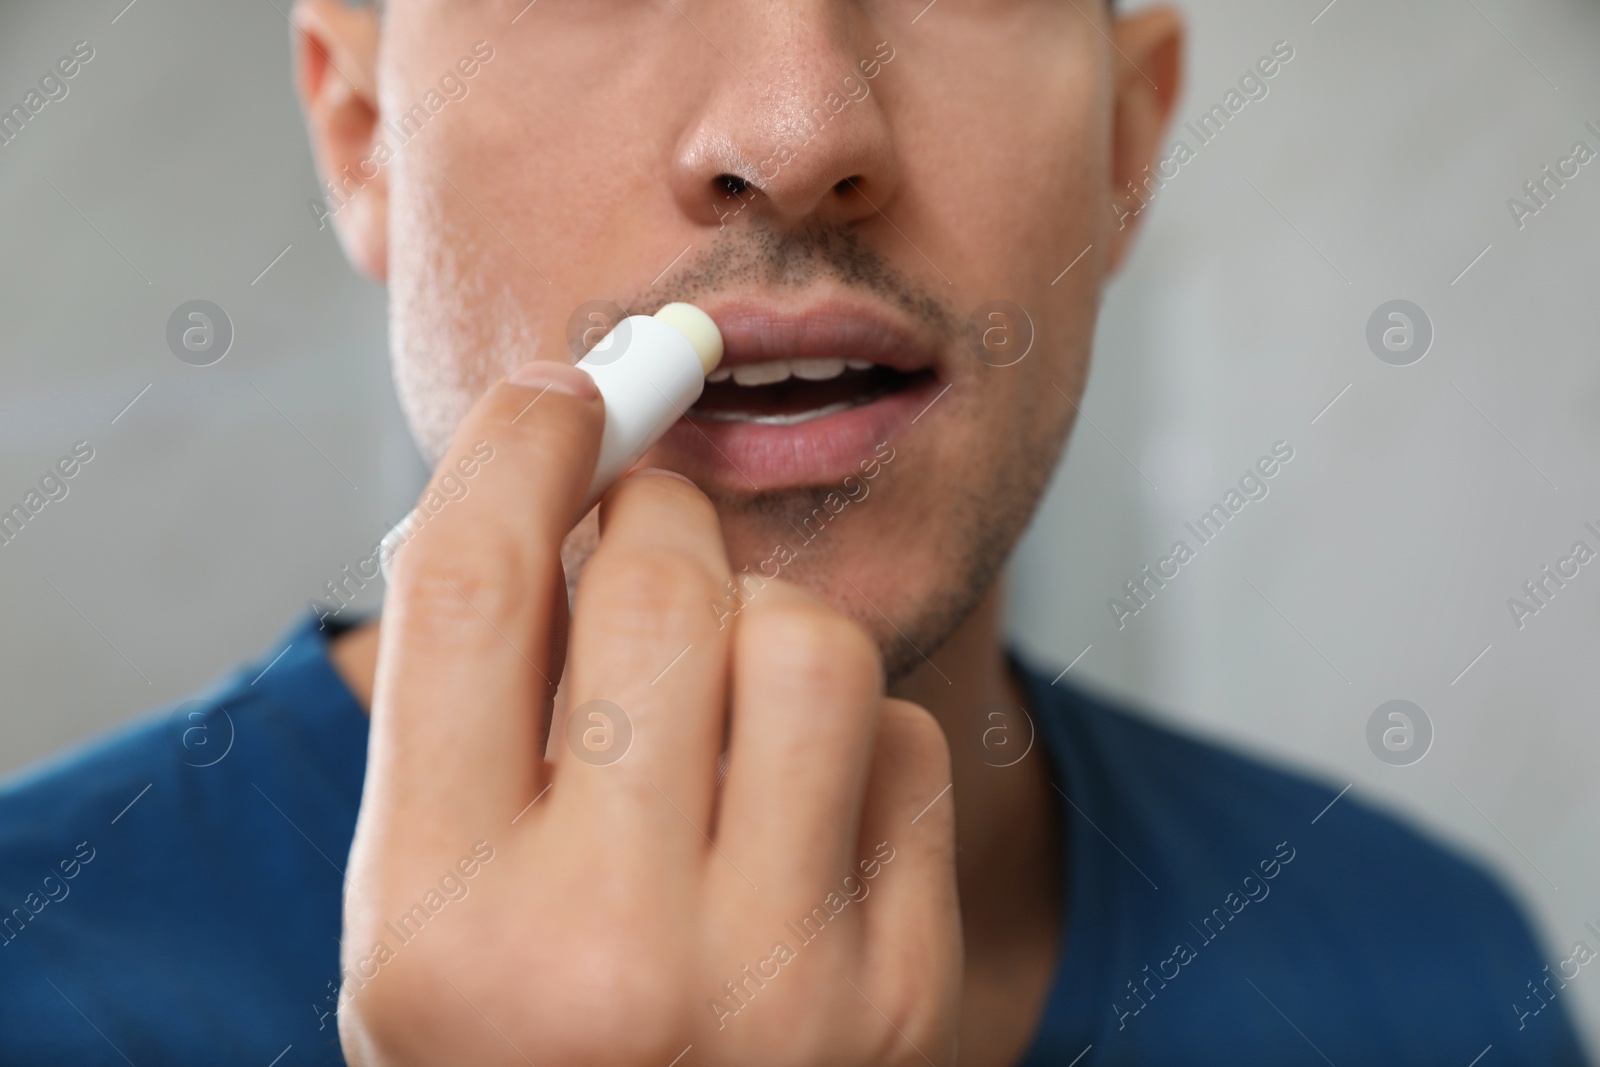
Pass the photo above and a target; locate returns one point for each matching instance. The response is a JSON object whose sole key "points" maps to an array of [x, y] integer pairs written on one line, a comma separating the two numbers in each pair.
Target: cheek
{"points": [[448, 332], [508, 212], [467, 244], [1014, 205], [1014, 187]]}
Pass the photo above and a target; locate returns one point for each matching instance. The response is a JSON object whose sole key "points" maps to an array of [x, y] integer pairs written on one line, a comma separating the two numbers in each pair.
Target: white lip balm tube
{"points": [[649, 370]]}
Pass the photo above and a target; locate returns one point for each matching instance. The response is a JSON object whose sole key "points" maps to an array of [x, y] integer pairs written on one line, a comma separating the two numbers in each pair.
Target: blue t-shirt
{"points": [[171, 895]]}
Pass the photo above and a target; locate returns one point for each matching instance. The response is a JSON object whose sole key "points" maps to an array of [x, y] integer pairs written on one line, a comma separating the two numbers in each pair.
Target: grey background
{"points": [[1378, 568]]}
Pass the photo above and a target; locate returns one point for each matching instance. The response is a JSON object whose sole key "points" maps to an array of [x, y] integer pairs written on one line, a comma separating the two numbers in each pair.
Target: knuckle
{"points": [[650, 589], [435, 583]]}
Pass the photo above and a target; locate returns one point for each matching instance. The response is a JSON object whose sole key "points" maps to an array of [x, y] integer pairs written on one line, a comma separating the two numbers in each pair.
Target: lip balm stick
{"points": [[649, 371]]}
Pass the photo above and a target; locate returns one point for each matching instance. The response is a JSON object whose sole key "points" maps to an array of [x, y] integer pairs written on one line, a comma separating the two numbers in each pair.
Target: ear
{"points": [[1149, 75], [336, 51]]}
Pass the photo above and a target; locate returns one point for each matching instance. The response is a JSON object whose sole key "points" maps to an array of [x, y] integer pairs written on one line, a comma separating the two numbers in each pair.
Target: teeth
{"points": [[767, 373], [772, 371], [817, 370]]}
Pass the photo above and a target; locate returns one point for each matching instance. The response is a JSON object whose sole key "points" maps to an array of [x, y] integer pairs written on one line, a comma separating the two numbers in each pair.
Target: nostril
{"points": [[731, 184], [847, 185]]}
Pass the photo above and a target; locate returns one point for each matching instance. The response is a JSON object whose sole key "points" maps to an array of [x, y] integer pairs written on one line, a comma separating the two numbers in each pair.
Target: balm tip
{"points": [[697, 327]]}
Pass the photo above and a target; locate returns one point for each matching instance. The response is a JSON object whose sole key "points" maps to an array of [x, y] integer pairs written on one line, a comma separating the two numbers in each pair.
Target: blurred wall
{"points": [[175, 169], [1378, 566]]}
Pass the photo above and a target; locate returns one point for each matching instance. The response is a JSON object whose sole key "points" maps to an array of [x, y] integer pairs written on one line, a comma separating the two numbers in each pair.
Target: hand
{"points": [[634, 912]]}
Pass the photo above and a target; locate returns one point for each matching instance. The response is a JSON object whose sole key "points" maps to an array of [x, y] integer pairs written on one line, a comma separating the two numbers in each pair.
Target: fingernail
{"points": [[558, 377]]}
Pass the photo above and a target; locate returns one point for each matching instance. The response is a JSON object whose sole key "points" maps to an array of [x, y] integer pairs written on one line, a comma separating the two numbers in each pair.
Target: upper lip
{"points": [[757, 331]]}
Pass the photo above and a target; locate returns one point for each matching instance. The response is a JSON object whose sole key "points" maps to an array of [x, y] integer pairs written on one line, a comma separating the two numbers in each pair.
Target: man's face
{"points": [[832, 181]]}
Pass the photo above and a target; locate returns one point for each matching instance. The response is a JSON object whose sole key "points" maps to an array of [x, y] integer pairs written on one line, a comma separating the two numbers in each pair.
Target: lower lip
{"points": [[751, 457]]}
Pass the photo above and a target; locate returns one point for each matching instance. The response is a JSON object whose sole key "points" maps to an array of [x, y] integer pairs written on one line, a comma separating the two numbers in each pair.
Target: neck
{"points": [[1004, 799], [1009, 860], [998, 791]]}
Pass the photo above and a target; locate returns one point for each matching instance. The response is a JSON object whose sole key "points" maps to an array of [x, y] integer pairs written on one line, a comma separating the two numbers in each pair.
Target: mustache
{"points": [[794, 259]]}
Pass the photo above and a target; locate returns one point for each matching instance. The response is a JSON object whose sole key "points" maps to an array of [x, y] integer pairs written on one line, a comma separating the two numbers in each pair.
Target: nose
{"points": [[799, 136]]}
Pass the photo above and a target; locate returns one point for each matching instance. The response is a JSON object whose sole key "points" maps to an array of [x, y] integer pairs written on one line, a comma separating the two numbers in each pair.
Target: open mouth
{"points": [[807, 391], [788, 392]]}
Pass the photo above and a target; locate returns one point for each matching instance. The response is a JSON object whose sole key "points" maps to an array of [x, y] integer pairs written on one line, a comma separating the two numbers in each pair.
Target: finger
{"points": [[464, 669], [808, 683], [647, 642], [911, 963], [906, 860]]}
